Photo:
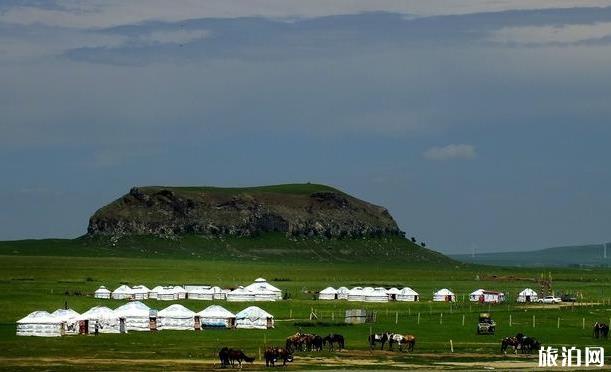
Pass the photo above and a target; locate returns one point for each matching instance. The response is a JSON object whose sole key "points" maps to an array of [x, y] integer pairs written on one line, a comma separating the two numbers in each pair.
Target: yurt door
{"points": [[270, 323], [83, 327], [153, 323], [122, 325], [527, 298], [197, 323]]}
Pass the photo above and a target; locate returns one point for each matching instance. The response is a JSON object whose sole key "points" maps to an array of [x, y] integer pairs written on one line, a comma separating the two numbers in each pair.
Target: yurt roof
{"points": [[123, 289], [408, 291], [260, 280], [102, 289], [253, 312], [477, 292], [176, 310], [140, 288], [528, 292], [135, 308], [178, 289], [330, 290], [42, 317], [342, 289], [393, 290], [65, 314], [262, 287], [444, 292], [216, 311], [368, 289], [96, 311]]}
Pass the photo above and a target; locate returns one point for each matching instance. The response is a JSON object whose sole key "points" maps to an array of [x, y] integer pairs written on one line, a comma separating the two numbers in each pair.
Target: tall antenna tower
{"points": [[605, 251]]}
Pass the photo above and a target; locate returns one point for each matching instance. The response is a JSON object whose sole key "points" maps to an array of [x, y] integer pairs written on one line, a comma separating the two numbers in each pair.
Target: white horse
{"points": [[401, 340]]}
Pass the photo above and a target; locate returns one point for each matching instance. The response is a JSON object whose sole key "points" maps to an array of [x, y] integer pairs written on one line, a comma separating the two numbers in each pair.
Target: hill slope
{"points": [[582, 255], [297, 210]]}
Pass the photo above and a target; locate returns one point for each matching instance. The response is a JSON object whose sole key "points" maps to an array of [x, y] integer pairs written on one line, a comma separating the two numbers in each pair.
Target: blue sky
{"points": [[477, 124]]}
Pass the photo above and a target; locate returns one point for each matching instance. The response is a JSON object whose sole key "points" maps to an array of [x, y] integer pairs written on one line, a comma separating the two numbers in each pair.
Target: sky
{"points": [[479, 125]]}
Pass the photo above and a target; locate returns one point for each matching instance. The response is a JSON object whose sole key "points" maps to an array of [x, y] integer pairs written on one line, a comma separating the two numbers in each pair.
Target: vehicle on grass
{"points": [[486, 325], [550, 300], [568, 298]]}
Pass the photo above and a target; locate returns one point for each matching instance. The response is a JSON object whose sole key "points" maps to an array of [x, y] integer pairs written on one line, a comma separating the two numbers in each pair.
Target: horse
{"points": [[236, 355], [272, 354], [528, 344], [224, 357], [294, 342], [401, 340], [379, 337], [510, 341], [317, 343], [334, 339], [308, 341], [601, 330]]}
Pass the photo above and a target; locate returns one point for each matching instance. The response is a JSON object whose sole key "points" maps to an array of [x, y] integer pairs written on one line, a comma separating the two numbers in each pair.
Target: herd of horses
{"points": [[392, 338], [311, 342]]}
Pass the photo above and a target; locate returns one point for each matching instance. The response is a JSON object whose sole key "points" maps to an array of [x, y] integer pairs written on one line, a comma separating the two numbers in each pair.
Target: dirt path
{"points": [[347, 359]]}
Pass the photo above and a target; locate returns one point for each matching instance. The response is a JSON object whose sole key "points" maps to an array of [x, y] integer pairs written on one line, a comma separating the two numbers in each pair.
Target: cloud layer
{"points": [[450, 152]]}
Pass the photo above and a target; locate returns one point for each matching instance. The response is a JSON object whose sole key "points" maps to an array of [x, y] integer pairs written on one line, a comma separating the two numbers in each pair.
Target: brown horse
{"points": [[401, 340], [510, 341], [272, 354], [601, 330]]}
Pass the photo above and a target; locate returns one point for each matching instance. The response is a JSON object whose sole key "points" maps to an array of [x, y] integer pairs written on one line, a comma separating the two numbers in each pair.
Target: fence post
{"points": [[558, 326], [440, 318], [291, 314], [397, 317], [451, 346], [418, 318], [510, 320], [533, 321], [259, 354], [333, 315], [583, 323], [463, 320]]}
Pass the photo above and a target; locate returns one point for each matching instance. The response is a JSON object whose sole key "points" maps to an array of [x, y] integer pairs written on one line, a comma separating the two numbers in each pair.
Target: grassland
{"points": [[31, 278]]}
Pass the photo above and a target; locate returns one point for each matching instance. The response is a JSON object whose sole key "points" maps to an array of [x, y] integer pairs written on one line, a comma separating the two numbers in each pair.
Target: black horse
{"points": [[231, 356], [529, 344], [224, 357], [317, 343], [272, 354], [332, 339], [379, 337], [601, 330]]}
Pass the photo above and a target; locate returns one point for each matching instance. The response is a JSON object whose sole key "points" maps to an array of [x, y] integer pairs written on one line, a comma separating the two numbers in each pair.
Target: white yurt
{"points": [[219, 293], [240, 295], [342, 293], [70, 318], [175, 317], [527, 295], [140, 292], [153, 292], [444, 295], [181, 293], [376, 295], [108, 321], [166, 294], [123, 292], [136, 314], [200, 294], [328, 293], [215, 316], [254, 317], [40, 323], [493, 297], [264, 288], [477, 295], [101, 292], [407, 294], [393, 293], [356, 294]]}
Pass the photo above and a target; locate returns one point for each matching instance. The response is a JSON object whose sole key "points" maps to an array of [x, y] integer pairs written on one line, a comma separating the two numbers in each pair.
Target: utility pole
{"points": [[605, 251]]}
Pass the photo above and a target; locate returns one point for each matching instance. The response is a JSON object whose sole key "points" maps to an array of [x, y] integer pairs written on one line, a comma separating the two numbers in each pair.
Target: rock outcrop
{"points": [[304, 210]]}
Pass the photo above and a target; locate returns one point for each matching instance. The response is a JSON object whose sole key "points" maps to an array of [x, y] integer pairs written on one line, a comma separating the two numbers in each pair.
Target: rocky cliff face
{"points": [[296, 210]]}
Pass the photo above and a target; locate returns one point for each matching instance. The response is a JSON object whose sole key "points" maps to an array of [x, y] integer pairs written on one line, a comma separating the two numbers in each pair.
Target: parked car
{"points": [[568, 298], [550, 300]]}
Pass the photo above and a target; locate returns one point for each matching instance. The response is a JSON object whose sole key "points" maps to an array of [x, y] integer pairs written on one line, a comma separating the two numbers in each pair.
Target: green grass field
{"points": [[30, 281]]}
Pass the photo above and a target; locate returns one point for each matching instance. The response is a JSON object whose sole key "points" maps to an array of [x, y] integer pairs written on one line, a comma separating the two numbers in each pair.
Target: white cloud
{"points": [[108, 13], [551, 34], [175, 37], [450, 152]]}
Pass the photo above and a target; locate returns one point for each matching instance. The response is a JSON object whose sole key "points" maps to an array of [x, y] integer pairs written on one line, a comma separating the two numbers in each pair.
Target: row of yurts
{"points": [[260, 290], [136, 316], [380, 294]]}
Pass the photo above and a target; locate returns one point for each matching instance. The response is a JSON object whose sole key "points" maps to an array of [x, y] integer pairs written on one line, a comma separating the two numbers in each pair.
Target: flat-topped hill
{"points": [[298, 210]]}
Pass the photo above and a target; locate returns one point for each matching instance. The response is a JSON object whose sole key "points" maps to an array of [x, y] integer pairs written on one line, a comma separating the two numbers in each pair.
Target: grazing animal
{"points": [[510, 341], [379, 337], [401, 340], [528, 344], [317, 343], [334, 338], [294, 342], [224, 357], [601, 330], [236, 355], [272, 354]]}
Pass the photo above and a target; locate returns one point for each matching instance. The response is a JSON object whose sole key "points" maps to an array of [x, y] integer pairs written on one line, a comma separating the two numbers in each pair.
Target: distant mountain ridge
{"points": [[591, 255]]}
